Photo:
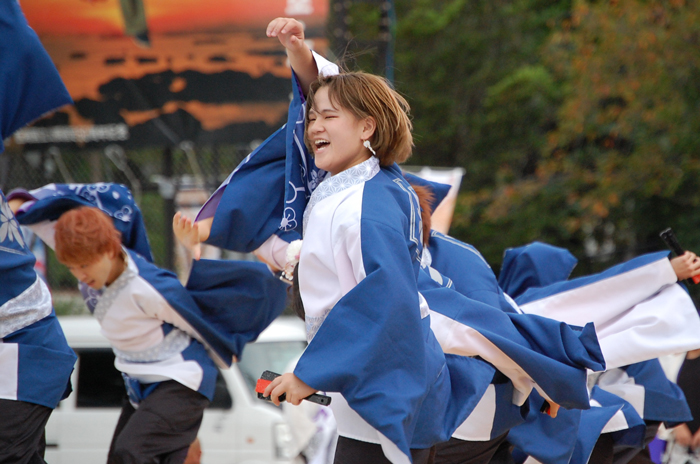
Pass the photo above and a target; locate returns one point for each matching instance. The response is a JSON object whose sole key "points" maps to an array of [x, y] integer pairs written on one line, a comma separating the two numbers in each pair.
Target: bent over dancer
{"points": [[167, 339]]}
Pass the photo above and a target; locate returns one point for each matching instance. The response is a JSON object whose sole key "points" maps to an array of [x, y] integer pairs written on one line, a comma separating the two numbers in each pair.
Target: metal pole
{"points": [[168, 190], [95, 161], [340, 33], [4, 170]]}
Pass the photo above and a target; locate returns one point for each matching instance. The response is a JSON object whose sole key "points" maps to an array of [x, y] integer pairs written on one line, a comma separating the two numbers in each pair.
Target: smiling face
{"points": [[99, 273], [336, 135]]}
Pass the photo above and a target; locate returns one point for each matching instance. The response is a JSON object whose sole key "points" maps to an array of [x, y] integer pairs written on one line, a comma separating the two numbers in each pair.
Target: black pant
{"points": [[605, 451], [161, 429], [504, 453], [351, 451], [22, 439], [644, 457], [456, 451]]}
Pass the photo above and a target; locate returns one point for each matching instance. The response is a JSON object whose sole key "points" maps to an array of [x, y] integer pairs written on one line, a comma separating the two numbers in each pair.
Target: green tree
{"points": [[620, 163], [626, 137], [482, 99], [576, 120]]}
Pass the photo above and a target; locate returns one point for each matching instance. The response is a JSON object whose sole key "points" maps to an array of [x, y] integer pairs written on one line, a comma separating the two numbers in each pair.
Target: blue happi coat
{"points": [[632, 393], [552, 353], [469, 272], [35, 360], [379, 353], [644, 383], [560, 353], [229, 303]]}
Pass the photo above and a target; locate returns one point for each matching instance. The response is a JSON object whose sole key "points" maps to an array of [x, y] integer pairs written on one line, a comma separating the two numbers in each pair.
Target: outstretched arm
{"points": [[686, 265], [695, 444], [191, 234], [682, 435], [290, 33], [15, 203]]}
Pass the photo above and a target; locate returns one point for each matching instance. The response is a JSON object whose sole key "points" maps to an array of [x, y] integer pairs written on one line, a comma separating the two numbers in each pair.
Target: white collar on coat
{"points": [[341, 181]]}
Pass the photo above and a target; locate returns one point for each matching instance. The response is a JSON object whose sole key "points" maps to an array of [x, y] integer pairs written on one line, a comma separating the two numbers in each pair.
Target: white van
{"points": [[238, 428]]}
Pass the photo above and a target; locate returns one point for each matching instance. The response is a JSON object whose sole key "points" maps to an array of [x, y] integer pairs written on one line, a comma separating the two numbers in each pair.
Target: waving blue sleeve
{"points": [[548, 440], [552, 353], [52, 200], [29, 82], [301, 176], [571, 436], [548, 287], [239, 298], [229, 303], [267, 193], [593, 420], [248, 207], [646, 385], [534, 265], [466, 267]]}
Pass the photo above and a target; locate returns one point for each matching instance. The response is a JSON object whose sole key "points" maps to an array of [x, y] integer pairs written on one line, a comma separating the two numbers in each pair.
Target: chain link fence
{"points": [[163, 180]]}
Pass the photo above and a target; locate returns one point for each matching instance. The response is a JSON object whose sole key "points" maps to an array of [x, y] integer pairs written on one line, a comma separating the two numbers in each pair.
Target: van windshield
{"points": [[268, 356]]}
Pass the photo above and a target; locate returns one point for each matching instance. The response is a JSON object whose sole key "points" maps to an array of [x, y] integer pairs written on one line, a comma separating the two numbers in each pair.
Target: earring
{"points": [[369, 147]]}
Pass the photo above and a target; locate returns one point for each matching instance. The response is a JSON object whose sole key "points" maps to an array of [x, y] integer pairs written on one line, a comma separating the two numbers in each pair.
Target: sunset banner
{"points": [[163, 72]]}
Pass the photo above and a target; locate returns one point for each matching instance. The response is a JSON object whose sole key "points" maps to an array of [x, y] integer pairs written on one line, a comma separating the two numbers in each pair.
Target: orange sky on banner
{"points": [[76, 17]]}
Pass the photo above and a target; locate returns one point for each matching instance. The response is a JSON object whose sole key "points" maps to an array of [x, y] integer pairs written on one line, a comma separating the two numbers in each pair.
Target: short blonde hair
{"points": [[366, 95]]}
